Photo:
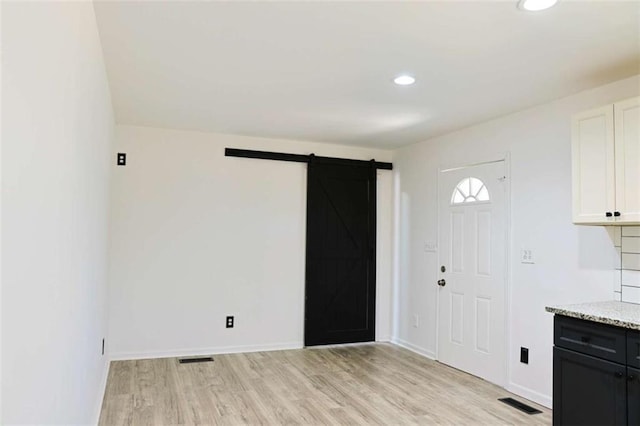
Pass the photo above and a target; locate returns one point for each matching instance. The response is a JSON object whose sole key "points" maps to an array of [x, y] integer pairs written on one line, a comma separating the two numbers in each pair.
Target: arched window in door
{"points": [[470, 190]]}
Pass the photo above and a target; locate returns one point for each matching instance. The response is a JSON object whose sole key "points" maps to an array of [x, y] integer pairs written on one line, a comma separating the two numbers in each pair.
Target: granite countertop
{"points": [[620, 314]]}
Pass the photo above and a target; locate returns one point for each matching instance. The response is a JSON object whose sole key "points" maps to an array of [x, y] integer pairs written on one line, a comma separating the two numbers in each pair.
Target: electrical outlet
{"points": [[230, 322], [416, 321], [122, 159], [524, 355], [526, 256], [103, 346]]}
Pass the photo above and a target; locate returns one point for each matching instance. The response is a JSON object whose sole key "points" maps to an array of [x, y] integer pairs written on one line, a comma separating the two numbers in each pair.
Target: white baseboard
{"points": [[123, 356], [414, 348], [343, 345], [531, 395], [102, 390]]}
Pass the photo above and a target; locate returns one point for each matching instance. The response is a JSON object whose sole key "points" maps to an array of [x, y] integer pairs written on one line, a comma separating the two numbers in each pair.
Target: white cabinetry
{"points": [[627, 154], [606, 164]]}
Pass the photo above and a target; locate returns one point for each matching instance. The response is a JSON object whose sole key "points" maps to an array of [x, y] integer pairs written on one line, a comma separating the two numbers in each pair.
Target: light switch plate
{"points": [[526, 256], [430, 246]]}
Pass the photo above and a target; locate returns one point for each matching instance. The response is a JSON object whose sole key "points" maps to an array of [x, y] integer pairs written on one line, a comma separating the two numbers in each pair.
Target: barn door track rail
{"points": [[300, 158]]}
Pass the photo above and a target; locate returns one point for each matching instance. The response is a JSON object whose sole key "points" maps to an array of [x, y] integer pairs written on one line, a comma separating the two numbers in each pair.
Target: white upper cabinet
{"points": [[606, 164], [593, 165], [627, 147]]}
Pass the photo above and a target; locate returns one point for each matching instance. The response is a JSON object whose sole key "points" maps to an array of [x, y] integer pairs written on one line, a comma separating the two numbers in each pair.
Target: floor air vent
{"points": [[520, 406], [195, 360]]}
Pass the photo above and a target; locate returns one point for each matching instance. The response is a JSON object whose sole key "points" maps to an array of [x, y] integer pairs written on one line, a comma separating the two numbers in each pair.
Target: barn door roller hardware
{"points": [[299, 158]]}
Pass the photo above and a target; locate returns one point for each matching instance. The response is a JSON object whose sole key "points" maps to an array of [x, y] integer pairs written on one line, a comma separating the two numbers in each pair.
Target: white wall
{"points": [[573, 263], [57, 128], [197, 236]]}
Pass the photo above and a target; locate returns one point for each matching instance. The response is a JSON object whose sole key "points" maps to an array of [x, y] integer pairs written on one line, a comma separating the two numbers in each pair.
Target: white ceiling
{"points": [[322, 71]]}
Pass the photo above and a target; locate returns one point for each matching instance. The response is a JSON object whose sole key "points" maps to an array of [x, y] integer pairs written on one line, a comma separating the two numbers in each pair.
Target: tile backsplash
{"points": [[627, 277]]}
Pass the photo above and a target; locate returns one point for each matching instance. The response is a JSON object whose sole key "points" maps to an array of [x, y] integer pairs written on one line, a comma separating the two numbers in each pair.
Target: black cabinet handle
{"points": [[608, 214], [619, 374], [616, 214]]}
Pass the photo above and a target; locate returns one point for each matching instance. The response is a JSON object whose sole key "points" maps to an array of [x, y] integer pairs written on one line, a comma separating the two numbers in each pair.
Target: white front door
{"points": [[472, 252]]}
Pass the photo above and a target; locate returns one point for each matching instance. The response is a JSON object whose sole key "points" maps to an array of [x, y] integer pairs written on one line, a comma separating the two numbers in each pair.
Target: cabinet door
{"points": [[633, 348], [588, 390], [627, 151], [633, 396], [593, 173]]}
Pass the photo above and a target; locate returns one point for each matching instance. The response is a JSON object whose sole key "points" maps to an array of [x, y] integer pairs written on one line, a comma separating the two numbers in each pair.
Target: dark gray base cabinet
{"points": [[593, 383], [587, 390], [633, 396]]}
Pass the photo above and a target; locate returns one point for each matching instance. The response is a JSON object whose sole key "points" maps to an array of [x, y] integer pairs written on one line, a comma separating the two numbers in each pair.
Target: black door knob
{"points": [[442, 283], [608, 214], [616, 214]]}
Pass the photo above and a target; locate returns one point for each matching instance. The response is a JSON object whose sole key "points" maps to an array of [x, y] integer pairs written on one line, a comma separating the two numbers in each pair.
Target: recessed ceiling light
{"points": [[404, 80], [536, 5]]}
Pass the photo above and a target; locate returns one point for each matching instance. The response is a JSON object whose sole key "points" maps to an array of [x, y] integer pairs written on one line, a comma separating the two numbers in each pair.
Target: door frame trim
{"points": [[506, 159]]}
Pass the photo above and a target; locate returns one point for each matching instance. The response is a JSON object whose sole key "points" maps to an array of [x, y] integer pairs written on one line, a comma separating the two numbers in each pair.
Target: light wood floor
{"points": [[367, 384]]}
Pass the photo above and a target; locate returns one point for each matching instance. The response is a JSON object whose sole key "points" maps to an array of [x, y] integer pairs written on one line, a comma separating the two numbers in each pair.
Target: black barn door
{"points": [[341, 258]]}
